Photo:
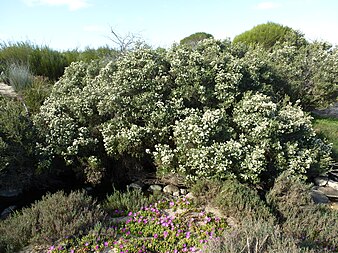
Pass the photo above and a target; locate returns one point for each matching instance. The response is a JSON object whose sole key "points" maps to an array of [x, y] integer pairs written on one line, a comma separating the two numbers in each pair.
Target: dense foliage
{"points": [[193, 39], [267, 35], [17, 151], [54, 217], [207, 111]]}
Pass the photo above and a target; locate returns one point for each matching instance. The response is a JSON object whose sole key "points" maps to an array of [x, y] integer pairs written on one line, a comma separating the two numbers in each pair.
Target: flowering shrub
{"points": [[202, 112], [153, 229]]}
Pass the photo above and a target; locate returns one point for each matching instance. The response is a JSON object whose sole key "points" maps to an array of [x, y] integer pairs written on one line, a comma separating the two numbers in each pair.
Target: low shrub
{"points": [[54, 217], [131, 200], [254, 237], [36, 93], [313, 225], [153, 228], [242, 202], [206, 190], [17, 138]]}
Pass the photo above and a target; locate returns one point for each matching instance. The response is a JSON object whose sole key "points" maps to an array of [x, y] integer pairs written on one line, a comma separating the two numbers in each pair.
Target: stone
{"points": [[183, 191], [155, 188], [171, 189], [10, 193], [7, 211], [333, 175], [332, 184], [321, 181], [330, 192], [134, 186], [190, 195], [318, 197], [176, 194]]}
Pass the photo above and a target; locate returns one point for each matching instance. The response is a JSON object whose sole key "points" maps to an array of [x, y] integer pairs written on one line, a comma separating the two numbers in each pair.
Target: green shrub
{"points": [[255, 237], [17, 140], [36, 94], [267, 35], [41, 60], [195, 38], [308, 73], [242, 202], [129, 201], [201, 112], [327, 128], [313, 225], [54, 217], [206, 190]]}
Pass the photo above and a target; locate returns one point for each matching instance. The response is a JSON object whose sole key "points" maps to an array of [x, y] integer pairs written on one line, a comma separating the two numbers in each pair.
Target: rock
{"points": [[333, 175], [332, 184], [155, 188], [4, 214], [176, 194], [321, 181], [10, 193], [318, 197], [171, 189], [190, 195], [183, 191], [330, 192], [135, 186]]}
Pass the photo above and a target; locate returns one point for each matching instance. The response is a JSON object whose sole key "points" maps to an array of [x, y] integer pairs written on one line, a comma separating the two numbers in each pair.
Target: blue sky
{"points": [[70, 24]]}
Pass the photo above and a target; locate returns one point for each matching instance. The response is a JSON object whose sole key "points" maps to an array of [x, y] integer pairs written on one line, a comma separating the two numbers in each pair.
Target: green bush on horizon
{"points": [[270, 33]]}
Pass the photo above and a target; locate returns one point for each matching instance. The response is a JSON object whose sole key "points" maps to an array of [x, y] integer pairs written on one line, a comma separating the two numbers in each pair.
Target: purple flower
{"points": [[155, 236], [165, 234], [106, 244], [187, 235]]}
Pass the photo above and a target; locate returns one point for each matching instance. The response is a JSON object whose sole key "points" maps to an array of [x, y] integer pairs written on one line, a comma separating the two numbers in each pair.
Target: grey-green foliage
{"points": [[314, 225], [17, 135], [201, 112], [54, 217], [254, 236], [308, 73], [19, 76]]}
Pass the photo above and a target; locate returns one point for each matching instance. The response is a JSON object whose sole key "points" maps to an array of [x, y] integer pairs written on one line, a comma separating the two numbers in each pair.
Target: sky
{"points": [[77, 24]]}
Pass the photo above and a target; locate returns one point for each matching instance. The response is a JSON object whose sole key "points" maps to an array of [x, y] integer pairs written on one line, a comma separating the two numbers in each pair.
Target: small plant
{"points": [[54, 217], [254, 237], [131, 200], [242, 202], [19, 76]]}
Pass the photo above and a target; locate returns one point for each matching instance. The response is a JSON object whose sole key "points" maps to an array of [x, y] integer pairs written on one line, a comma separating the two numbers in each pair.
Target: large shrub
{"points": [[200, 112]]}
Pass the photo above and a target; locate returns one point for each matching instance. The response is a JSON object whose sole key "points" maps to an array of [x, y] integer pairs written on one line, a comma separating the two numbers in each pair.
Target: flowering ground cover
{"points": [[165, 226]]}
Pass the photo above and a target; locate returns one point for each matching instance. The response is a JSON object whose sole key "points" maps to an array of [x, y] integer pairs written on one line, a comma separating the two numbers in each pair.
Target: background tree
{"points": [[193, 39], [267, 35]]}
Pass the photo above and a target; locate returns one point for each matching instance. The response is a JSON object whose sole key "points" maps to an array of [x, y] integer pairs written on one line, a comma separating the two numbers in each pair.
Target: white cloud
{"points": [[71, 4], [267, 6]]}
